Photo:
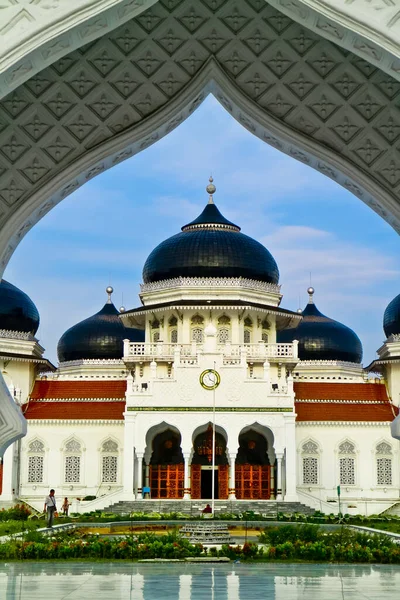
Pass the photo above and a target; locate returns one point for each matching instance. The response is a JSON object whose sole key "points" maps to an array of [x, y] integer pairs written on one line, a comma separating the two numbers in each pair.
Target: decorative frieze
{"points": [[210, 282], [17, 335]]}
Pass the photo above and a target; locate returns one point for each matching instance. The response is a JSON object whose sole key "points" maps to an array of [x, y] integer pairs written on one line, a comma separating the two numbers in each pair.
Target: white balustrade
{"points": [[232, 353]]}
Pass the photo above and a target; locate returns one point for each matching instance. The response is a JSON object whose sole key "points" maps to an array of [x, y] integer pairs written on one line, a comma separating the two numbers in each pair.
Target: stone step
{"points": [[194, 507]]}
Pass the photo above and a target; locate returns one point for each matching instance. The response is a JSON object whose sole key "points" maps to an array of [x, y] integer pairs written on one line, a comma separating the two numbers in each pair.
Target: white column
{"points": [[290, 461], [267, 368], [232, 482], [272, 482], [8, 475], [279, 496], [139, 475], [128, 460], [186, 483]]}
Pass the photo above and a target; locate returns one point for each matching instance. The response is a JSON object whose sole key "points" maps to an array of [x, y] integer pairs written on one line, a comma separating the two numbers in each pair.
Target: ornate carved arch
{"points": [[111, 99], [35, 35]]}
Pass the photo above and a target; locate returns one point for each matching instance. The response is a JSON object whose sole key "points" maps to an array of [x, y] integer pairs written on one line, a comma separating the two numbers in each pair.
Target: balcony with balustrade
{"points": [[232, 354]]}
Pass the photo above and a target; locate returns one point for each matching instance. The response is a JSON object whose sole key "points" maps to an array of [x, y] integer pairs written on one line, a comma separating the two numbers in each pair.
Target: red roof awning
{"points": [[112, 411], [340, 391], [50, 389]]}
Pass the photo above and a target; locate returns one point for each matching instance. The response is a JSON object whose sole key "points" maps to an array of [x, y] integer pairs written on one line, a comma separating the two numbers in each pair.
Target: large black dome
{"points": [[210, 246], [391, 318], [99, 336], [17, 311], [322, 338]]}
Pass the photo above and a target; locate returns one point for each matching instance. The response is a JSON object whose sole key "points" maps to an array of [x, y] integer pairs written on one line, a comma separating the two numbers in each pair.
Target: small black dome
{"points": [[17, 311], [210, 246], [391, 318], [99, 336], [322, 338]]}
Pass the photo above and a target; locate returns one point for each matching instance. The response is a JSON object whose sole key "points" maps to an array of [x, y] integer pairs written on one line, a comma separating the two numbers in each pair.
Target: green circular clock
{"points": [[210, 379]]}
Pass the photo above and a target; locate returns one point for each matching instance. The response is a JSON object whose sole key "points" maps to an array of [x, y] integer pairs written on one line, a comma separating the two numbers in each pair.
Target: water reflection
{"points": [[76, 581]]}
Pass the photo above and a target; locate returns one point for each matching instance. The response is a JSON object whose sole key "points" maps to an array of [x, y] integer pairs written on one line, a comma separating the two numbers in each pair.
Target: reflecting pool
{"points": [[179, 581]]}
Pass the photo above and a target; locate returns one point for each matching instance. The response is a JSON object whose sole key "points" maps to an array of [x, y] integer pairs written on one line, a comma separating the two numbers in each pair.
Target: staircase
{"points": [[207, 533], [268, 508], [393, 510]]}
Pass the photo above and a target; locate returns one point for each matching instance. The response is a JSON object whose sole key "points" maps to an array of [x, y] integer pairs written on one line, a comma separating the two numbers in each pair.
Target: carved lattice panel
{"points": [[310, 470], [166, 481], [195, 481], [109, 469], [347, 471], [35, 469], [72, 469], [253, 482], [223, 482], [332, 99], [384, 471]]}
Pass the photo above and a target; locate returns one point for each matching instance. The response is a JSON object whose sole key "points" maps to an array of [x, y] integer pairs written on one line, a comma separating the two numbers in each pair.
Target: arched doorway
{"points": [[166, 469], [202, 470], [254, 475]]}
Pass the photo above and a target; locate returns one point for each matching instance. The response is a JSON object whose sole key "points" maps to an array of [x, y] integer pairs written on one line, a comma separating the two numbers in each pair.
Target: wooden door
{"points": [[253, 482], [195, 481], [166, 481], [223, 482]]}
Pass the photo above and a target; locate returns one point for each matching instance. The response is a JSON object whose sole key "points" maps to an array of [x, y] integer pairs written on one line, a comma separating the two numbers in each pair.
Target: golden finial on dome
{"points": [[211, 189]]}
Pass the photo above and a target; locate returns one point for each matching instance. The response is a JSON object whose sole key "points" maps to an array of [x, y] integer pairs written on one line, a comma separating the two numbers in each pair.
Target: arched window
{"points": [[35, 461], [347, 463], [173, 331], [264, 330], [72, 461], [310, 460], [248, 328], [384, 464], [197, 324], [109, 462], [224, 329], [155, 331]]}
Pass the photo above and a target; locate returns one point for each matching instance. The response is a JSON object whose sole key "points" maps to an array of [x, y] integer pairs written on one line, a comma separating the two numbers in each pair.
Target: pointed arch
{"points": [[347, 455], [310, 451], [36, 456], [72, 450]]}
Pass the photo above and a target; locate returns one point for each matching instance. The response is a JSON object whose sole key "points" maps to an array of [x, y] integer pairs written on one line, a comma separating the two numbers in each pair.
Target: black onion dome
{"points": [[322, 338], [17, 311], [100, 336], [391, 318], [210, 246]]}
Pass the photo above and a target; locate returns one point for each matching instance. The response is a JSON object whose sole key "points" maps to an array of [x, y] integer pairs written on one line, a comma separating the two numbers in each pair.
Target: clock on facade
{"points": [[210, 379]]}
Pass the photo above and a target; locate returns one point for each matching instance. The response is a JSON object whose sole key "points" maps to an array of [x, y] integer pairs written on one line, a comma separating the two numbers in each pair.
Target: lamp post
{"points": [[213, 453]]}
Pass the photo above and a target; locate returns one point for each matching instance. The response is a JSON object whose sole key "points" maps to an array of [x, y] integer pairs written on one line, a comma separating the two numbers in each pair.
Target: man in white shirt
{"points": [[50, 507]]}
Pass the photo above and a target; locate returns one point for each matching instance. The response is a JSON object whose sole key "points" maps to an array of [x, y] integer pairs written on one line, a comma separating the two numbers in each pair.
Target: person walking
{"points": [[65, 506], [50, 507]]}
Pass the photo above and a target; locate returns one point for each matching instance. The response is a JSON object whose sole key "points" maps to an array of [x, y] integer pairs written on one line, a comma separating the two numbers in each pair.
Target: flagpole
{"points": [[213, 454]]}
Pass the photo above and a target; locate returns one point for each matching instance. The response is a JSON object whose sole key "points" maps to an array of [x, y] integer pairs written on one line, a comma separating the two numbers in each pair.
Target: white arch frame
{"points": [[47, 35]]}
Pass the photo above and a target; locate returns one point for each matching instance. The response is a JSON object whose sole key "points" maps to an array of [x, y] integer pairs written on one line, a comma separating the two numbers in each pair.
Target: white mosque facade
{"points": [[130, 410]]}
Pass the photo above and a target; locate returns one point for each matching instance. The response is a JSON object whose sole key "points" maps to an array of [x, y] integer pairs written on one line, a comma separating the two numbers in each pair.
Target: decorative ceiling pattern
{"points": [[318, 94]]}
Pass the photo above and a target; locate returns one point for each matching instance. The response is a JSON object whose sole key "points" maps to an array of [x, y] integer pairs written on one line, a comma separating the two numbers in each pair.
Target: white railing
{"points": [[230, 352]]}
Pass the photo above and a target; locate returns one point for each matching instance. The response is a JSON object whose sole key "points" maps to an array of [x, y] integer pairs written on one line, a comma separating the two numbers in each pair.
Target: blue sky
{"points": [[103, 233]]}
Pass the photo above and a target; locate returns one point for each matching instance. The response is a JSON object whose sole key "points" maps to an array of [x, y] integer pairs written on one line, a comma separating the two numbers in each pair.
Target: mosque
{"points": [[208, 360]]}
